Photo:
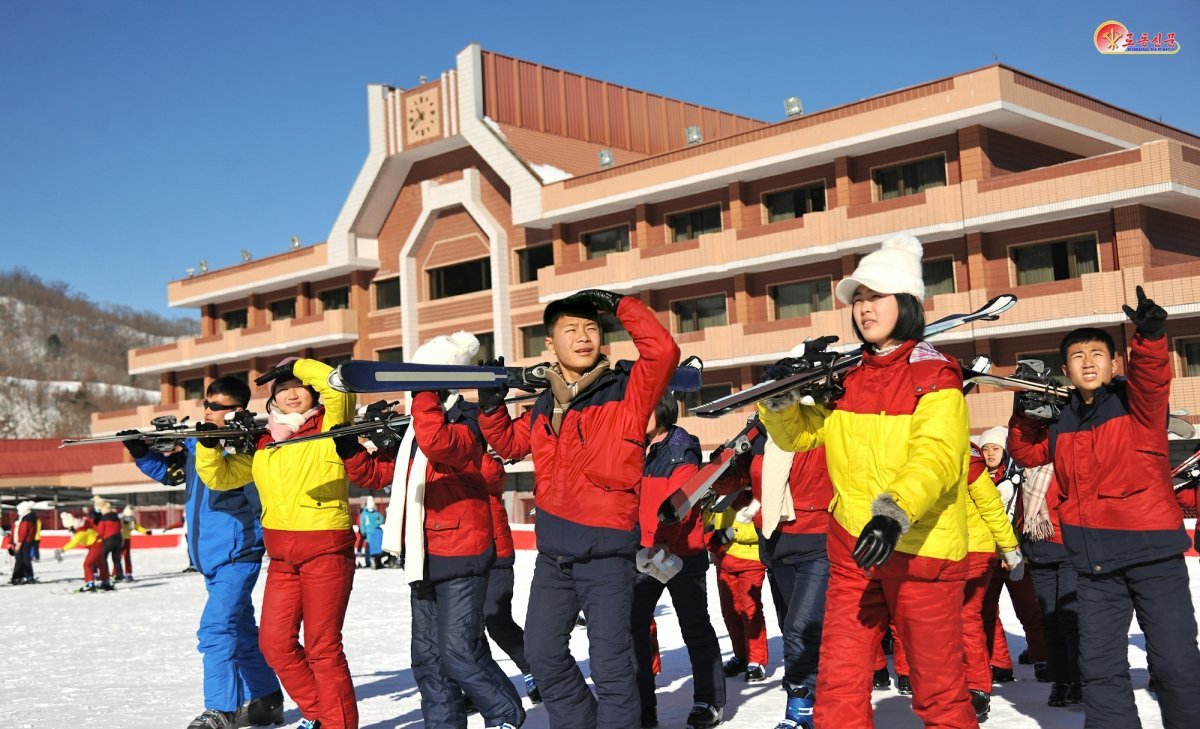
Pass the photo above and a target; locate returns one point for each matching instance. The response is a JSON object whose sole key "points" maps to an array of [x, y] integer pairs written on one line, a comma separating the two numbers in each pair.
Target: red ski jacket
{"points": [[493, 474], [108, 525], [669, 463], [587, 476], [26, 529], [1110, 461], [459, 538]]}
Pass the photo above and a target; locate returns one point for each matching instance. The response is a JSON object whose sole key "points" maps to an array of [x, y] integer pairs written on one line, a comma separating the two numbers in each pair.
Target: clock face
{"points": [[421, 116]]}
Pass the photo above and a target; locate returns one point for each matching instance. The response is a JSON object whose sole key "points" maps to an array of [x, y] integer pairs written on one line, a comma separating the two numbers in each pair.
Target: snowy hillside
{"points": [[128, 658], [63, 357]]}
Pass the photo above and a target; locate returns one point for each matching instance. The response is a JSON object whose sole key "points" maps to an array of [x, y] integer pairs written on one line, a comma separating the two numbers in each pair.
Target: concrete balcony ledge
{"points": [[332, 327]]}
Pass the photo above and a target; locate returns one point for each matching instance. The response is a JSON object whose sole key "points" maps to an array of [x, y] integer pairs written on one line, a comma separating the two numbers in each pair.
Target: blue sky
{"points": [[139, 137]]}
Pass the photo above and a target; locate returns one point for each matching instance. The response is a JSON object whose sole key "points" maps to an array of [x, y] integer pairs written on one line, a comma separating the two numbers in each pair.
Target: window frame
{"points": [[380, 354], [766, 213], [1015, 272], [244, 311], [587, 253], [877, 190], [522, 262], [953, 273], [675, 320], [183, 388], [1059, 377], [774, 309], [376, 287], [320, 298], [486, 267], [271, 308], [689, 211], [1181, 342], [521, 335]]}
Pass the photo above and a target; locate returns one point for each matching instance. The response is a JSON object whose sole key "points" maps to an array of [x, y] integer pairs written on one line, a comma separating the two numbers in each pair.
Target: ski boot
{"points": [[903, 685], [704, 716], [1002, 675], [1041, 672], [1023, 658], [265, 710], [649, 717], [106, 586], [981, 702], [799, 711], [1058, 694], [1075, 695], [755, 673], [89, 586], [733, 666], [213, 719], [309, 724], [882, 679], [531, 689]]}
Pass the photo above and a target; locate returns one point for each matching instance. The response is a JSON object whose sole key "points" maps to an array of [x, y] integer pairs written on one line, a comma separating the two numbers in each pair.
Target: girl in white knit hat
{"points": [[897, 446]]}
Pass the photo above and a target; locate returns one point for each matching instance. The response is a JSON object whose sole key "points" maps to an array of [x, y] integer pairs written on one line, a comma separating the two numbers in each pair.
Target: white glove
{"points": [[658, 563], [1014, 562], [58, 555], [746, 514]]}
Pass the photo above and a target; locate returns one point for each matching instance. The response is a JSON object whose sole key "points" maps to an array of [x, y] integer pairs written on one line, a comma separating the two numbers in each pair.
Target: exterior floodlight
{"points": [[693, 135], [203, 266], [295, 241], [246, 257], [792, 106], [606, 157]]}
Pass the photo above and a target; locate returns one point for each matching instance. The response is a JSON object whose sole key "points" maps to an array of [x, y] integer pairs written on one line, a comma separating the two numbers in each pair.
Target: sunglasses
{"points": [[218, 407]]}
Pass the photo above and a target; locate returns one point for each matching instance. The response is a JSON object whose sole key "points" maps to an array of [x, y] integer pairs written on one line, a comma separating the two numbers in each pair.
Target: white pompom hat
{"points": [[893, 269], [994, 436], [458, 348]]}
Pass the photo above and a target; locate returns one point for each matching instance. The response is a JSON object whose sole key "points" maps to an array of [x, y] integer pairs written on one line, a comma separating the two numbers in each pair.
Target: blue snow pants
{"points": [[234, 668]]}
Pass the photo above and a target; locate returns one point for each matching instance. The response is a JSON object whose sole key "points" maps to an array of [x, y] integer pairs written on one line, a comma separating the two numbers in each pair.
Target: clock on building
{"points": [[422, 116]]}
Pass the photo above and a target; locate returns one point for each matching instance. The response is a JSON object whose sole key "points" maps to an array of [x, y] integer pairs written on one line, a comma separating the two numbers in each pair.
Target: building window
{"points": [[910, 177], [387, 293], [1189, 351], [795, 203], [461, 278], [338, 298], [193, 389], [235, 319], [283, 309], [1053, 361], [604, 242], [707, 393], [532, 259], [693, 315], [803, 298], [243, 375], [685, 226], [938, 275], [487, 345], [337, 359], [611, 330], [1056, 261], [533, 340], [395, 354]]}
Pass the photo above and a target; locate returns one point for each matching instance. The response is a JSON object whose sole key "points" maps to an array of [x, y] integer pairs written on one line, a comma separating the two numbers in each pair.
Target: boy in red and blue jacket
{"points": [[1121, 526], [586, 433], [672, 457]]}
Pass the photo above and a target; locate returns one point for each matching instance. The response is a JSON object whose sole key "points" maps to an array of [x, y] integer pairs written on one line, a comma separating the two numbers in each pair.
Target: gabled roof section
{"points": [[559, 118], [42, 457]]}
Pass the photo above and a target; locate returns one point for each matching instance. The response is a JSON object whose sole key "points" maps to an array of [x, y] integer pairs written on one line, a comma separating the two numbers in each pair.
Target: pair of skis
{"points": [[824, 372], [244, 425]]}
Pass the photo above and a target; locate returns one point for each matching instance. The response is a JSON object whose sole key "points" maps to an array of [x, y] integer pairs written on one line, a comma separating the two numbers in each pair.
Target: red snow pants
{"points": [[923, 598], [308, 583], [739, 585], [95, 561], [977, 661]]}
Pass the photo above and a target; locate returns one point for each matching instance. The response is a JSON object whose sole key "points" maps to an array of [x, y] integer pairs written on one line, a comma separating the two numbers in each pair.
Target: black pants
{"points": [[1160, 594], [1055, 584], [497, 616], [798, 588], [23, 569], [112, 550], [690, 599]]}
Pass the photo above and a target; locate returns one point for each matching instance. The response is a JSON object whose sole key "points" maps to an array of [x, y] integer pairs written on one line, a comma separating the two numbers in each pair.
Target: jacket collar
{"points": [[870, 359]]}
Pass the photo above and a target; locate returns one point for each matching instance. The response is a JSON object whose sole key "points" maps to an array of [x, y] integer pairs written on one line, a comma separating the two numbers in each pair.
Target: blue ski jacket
{"points": [[222, 526]]}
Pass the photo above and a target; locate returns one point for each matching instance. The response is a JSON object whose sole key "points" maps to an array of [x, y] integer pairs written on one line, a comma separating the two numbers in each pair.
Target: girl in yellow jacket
{"points": [[734, 545], [85, 535], [896, 443], [307, 533]]}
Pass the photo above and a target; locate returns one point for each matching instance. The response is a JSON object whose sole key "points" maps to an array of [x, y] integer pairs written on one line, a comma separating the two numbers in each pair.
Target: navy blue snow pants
{"points": [[798, 589], [603, 588], [1160, 594], [450, 655], [1056, 586]]}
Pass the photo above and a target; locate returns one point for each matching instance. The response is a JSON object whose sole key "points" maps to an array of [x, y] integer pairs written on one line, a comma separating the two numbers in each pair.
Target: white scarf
{"points": [[777, 503]]}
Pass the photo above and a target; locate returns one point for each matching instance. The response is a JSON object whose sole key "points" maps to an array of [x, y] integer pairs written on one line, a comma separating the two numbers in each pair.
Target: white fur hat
{"points": [[997, 435], [68, 519], [893, 269], [370, 503], [127, 511], [458, 348], [24, 508]]}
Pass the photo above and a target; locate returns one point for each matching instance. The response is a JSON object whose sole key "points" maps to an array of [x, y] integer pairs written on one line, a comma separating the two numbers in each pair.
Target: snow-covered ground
{"points": [[128, 658]]}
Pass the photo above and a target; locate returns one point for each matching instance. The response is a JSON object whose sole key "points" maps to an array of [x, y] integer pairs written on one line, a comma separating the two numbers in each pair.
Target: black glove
{"points": [[137, 447], [877, 542], [785, 367], [208, 442], [815, 347], [1150, 318], [720, 537], [283, 373], [599, 298], [492, 399], [347, 446]]}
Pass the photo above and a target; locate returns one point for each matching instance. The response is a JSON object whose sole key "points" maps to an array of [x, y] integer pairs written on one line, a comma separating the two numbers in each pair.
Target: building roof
{"points": [[42, 457]]}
